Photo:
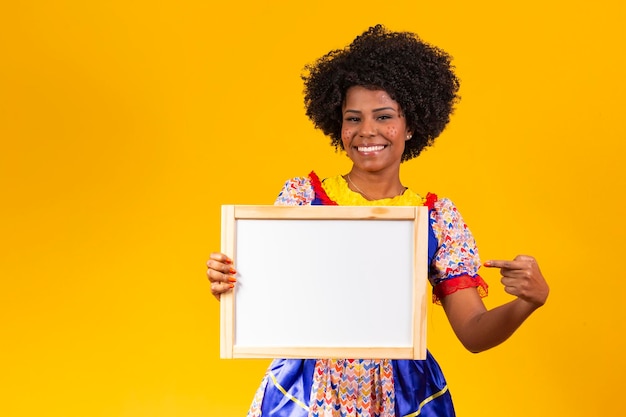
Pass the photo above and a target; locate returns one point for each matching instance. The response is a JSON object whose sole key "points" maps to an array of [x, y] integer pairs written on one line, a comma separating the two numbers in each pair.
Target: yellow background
{"points": [[126, 124]]}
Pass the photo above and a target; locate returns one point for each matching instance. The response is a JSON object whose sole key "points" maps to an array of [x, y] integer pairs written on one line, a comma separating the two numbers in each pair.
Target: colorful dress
{"points": [[373, 387]]}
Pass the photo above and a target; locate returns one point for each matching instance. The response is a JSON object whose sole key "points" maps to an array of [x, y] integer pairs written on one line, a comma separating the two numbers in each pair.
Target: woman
{"points": [[382, 100]]}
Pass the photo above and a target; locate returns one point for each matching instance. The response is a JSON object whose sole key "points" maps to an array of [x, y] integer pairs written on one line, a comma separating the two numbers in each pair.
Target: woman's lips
{"points": [[370, 148]]}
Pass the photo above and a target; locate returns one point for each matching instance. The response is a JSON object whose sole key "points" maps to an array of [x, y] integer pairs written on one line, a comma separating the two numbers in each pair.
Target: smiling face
{"points": [[374, 130]]}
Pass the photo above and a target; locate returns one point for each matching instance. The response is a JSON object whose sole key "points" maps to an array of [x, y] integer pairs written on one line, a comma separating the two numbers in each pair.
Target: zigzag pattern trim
{"points": [[352, 387]]}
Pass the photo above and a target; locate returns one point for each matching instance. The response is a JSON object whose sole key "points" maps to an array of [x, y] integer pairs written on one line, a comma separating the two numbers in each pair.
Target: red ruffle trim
{"points": [[319, 191], [430, 200], [461, 282]]}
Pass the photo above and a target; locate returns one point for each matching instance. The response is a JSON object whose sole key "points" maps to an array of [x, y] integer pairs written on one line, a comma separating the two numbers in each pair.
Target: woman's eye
{"points": [[384, 117], [352, 119]]}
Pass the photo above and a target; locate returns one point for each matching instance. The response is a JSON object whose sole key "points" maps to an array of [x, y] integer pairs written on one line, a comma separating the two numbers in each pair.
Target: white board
{"points": [[322, 281]]}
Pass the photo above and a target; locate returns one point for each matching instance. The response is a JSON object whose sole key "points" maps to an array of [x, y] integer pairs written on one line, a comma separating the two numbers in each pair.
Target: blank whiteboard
{"points": [[325, 282]]}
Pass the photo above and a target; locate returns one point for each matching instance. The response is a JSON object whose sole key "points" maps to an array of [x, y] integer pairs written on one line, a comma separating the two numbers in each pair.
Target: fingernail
{"points": [[487, 263], [232, 279], [232, 271], [231, 285], [228, 260]]}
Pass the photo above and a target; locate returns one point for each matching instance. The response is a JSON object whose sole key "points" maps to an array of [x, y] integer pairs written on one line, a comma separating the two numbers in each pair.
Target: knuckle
{"points": [[212, 274]]}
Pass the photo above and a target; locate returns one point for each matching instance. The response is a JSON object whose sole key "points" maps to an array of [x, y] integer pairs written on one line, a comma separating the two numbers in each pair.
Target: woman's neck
{"points": [[374, 186]]}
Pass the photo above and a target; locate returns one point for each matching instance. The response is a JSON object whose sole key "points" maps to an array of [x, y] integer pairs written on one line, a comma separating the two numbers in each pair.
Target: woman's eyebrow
{"points": [[384, 109], [373, 111]]}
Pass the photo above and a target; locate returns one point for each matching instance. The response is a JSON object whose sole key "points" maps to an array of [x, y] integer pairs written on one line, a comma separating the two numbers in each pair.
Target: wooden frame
{"points": [[325, 282]]}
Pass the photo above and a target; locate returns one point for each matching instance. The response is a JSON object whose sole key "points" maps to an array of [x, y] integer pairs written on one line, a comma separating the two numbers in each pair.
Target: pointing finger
{"points": [[500, 264], [520, 262]]}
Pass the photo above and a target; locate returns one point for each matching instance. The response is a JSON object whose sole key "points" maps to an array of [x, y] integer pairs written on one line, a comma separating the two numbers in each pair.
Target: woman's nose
{"points": [[367, 128]]}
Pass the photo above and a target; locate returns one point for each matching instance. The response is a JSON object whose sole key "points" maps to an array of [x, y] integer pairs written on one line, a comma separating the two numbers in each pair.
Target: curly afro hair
{"points": [[415, 74]]}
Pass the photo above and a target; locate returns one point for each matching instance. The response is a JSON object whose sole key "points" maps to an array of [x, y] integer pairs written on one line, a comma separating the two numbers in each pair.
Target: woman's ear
{"points": [[409, 135]]}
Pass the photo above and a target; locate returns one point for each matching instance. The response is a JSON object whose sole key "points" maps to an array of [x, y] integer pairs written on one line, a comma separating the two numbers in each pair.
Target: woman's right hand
{"points": [[220, 273]]}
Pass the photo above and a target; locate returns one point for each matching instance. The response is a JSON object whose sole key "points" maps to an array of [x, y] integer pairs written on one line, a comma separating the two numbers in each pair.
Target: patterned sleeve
{"points": [[297, 191], [456, 261]]}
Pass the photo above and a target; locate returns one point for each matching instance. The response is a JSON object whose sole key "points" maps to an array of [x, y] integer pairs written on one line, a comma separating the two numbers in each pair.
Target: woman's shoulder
{"points": [[442, 208], [296, 191], [447, 220], [297, 182], [439, 203]]}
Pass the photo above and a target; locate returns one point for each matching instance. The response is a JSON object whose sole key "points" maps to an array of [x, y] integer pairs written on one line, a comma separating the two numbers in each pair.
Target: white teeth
{"points": [[370, 148]]}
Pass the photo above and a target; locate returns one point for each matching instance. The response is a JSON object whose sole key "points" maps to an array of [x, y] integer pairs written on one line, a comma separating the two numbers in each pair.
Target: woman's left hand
{"points": [[522, 278]]}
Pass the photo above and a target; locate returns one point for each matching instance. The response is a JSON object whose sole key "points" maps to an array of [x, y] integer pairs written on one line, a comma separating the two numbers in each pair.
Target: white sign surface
{"points": [[325, 281]]}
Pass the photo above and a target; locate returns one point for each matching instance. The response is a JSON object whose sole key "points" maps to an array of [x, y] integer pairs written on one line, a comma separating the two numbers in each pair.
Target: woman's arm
{"points": [[480, 329]]}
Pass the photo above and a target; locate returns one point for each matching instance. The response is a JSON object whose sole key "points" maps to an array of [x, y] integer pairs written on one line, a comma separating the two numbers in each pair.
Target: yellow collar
{"points": [[337, 190]]}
